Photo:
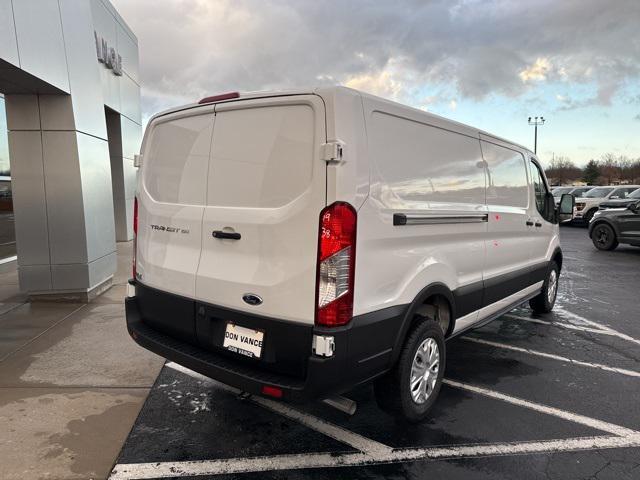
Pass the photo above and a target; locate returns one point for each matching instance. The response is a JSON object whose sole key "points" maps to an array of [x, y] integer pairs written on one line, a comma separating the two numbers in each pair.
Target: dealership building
{"points": [[70, 89]]}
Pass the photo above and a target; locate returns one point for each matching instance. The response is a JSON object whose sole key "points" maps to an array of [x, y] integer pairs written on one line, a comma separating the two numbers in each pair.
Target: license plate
{"points": [[244, 341]]}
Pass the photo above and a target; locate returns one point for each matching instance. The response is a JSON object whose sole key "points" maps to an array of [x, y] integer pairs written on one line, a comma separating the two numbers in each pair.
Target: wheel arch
{"points": [[433, 290], [605, 220], [557, 257]]}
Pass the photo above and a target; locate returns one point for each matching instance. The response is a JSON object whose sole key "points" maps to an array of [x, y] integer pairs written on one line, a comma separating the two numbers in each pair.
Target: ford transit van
{"points": [[297, 244]]}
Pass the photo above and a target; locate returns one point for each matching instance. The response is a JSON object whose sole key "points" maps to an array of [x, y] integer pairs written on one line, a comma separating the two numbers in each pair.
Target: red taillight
{"points": [[336, 265], [220, 98], [272, 391], [135, 233]]}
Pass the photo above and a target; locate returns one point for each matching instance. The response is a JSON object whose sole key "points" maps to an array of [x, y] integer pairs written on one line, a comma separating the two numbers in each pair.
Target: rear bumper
{"points": [[363, 351]]}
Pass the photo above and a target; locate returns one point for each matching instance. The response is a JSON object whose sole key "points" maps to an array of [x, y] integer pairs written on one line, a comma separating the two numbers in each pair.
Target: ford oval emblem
{"points": [[252, 299]]}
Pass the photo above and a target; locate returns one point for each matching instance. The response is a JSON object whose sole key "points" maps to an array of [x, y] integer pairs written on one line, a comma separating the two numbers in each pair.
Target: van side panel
{"points": [[436, 177], [347, 180], [171, 198], [510, 240]]}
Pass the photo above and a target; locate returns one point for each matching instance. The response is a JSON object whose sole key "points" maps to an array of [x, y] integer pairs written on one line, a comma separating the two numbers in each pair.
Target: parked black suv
{"points": [[631, 198], [612, 226]]}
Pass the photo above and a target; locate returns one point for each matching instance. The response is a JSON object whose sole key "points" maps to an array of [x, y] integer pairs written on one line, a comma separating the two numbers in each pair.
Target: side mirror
{"points": [[565, 208], [634, 207]]}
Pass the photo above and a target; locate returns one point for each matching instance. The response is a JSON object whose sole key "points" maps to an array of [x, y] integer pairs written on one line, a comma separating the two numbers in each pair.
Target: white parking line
{"points": [[556, 412], [569, 326], [138, 471], [581, 319], [622, 371], [319, 425], [375, 453], [595, 327]]}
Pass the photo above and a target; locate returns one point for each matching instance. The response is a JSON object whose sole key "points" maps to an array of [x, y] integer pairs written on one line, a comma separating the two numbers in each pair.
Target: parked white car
{"points": [[589, 203], [577, 192], [297, 244]]}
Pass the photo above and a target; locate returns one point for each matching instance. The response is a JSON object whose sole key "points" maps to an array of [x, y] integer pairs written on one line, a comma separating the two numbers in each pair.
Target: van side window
{"points": [[506, 176], [539, 187], [425, 167]]}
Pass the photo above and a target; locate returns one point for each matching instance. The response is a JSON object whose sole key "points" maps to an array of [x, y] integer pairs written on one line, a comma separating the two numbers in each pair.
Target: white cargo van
{"points": [[296, 244]]}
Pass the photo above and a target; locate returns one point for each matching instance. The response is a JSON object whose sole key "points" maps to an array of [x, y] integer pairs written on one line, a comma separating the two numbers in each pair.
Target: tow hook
{"points": [[244, 396]]}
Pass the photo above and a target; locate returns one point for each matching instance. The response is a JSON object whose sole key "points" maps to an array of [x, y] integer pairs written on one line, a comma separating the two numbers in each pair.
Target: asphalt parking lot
{"points": [[547, 397]]}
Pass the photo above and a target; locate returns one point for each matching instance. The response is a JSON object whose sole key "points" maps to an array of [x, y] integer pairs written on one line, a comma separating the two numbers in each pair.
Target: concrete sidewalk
{"points": [[71, 381]]}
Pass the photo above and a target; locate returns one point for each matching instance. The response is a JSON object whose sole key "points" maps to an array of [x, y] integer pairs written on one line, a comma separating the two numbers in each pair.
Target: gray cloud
{"points": [[637, 117], [191, 48]]}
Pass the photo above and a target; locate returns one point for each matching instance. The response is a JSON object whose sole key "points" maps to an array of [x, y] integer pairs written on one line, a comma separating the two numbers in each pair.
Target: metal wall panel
{"points": [[40, 41], [29, 199], [8, 42], [61, 163]]}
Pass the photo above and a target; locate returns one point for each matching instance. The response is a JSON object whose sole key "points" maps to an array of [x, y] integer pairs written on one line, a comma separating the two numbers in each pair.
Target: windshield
{"points": [[598, 192], [635, 194], [580, 192], [558, 192]]}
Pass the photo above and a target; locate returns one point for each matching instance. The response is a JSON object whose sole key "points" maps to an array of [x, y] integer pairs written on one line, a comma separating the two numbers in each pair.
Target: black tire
{"points": [[544, 301], [393, 390], [589, 215], [604, 237]]}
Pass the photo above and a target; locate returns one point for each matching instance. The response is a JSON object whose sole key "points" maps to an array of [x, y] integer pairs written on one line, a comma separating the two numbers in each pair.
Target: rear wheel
{"points": [[546, 299], [603, 237], [410, 389]]}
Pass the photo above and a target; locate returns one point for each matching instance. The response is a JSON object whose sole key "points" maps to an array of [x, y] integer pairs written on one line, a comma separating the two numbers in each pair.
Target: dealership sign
{"points": [[108, 55]]}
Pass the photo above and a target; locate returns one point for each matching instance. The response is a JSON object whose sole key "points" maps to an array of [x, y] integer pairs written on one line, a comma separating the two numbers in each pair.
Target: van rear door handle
{"points": [[538, 224], [226, 235], [529, 223]]}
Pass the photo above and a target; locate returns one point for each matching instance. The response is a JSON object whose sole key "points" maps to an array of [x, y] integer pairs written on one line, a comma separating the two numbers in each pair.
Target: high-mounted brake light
{"points": [[336, 265], [135, 234], [219, 98]]}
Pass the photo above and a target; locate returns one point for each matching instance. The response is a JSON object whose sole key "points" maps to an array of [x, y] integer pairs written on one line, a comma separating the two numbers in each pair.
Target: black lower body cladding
{"points": [[191, 334]]}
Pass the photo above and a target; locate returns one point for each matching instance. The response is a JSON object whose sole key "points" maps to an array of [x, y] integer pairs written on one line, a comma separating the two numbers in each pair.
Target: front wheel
{"points": [[546, 299], [410, 389], [603, 237]]}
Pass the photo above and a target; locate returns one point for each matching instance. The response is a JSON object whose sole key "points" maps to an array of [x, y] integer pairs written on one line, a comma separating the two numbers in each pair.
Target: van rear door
{"points": [[266, 187], [171, 197]]}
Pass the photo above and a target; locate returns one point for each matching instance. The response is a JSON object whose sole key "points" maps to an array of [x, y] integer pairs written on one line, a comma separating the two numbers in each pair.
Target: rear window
{"points": [[177, 160], [621, 193], [261, 157]]}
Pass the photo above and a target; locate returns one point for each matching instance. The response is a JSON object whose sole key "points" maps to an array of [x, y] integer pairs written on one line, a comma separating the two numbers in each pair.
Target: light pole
{"points": [[536, 121]]}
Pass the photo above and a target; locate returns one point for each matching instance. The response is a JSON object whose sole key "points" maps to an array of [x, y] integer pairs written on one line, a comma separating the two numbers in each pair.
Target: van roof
{"points": [[347, 90]]}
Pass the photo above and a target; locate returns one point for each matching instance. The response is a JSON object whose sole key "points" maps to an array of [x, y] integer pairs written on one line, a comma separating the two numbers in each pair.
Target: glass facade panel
{"points": [[7, 231]]}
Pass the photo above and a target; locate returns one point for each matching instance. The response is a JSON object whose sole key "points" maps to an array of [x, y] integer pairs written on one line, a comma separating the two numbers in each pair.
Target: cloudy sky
{"points": [[487, 63]]}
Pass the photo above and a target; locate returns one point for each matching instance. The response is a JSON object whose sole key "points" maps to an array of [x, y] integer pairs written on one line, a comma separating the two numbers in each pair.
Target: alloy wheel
{"points": [[424, 371]]}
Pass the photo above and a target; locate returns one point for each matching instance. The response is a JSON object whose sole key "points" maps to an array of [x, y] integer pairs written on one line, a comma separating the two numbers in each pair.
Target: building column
{"points": [[63, 203], [124, 140]]}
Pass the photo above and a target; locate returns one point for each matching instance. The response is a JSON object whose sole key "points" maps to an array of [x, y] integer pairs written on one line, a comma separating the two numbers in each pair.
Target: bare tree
{"points": [[609, 168], [563, 171], [633, 171]]}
